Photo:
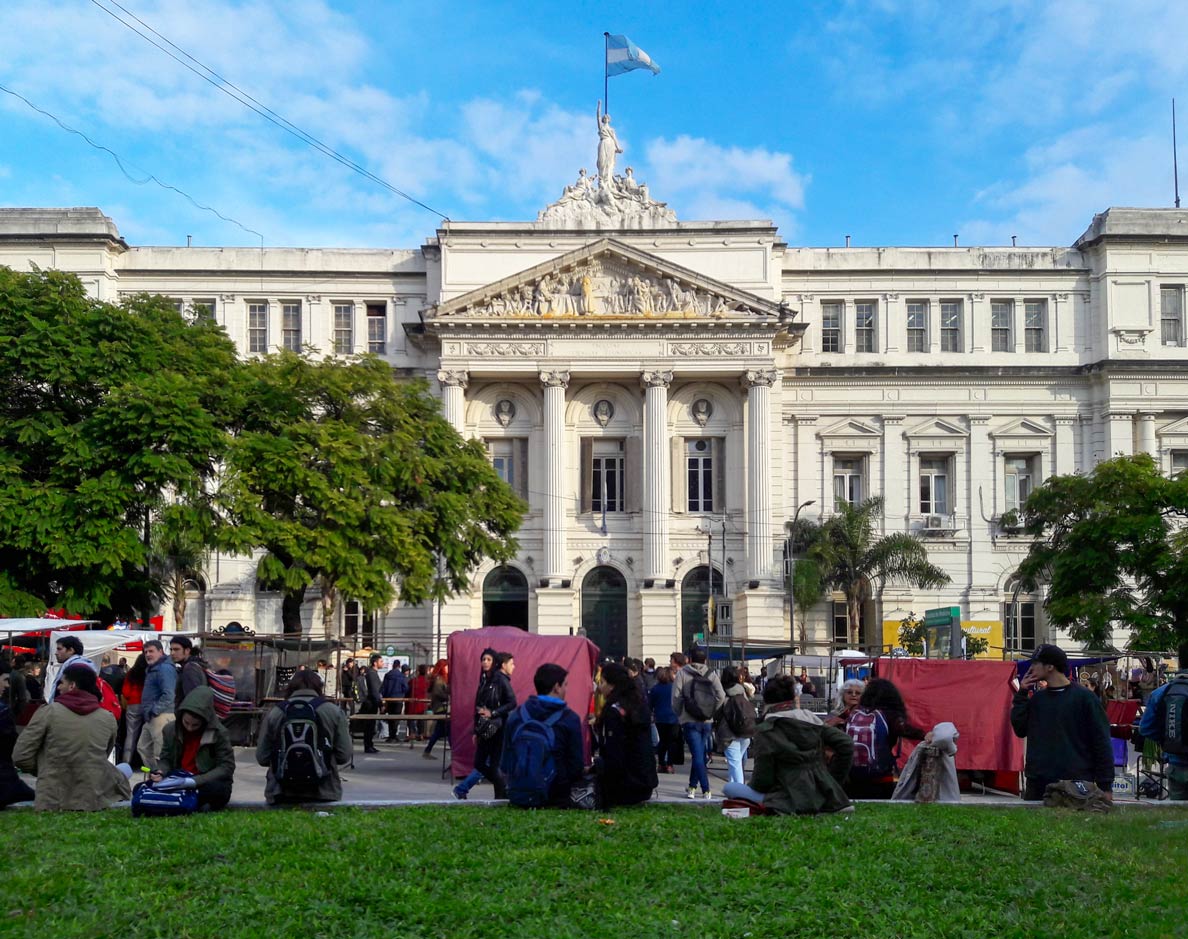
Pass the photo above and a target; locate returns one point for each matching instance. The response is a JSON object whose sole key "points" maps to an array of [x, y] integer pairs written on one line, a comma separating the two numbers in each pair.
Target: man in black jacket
{"points": [[368, 688], [496, 700], [1068, 735], [191, 669]]}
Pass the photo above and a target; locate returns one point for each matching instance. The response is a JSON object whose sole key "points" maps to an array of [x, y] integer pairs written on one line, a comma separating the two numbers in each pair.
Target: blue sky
{"points": [[895, 122]]}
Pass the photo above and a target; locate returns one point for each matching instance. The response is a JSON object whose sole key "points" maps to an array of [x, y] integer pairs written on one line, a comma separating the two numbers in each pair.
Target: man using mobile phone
{"points": [[1068, 736]]}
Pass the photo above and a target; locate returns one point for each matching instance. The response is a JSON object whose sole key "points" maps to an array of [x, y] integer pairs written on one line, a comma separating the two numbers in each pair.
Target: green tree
{"points": [[913, 634], [107, 414], [1112, 549], [854, 561], [806, 585], [350, 479]]}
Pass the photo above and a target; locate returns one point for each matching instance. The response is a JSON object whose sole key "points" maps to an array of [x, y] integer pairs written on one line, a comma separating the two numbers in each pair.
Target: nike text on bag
{"points": [[533, 766], [148, 802], [223, 687], [302, 759], [698, 698], [1175, 717], [872, 752]]}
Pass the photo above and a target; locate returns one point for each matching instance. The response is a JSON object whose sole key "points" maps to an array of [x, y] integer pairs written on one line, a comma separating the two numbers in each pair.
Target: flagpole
{"points": [[605, 76]]}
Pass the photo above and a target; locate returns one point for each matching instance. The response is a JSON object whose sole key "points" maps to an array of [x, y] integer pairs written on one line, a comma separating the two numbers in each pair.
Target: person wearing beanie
{"points": [[66, 746], [1067, 733]]}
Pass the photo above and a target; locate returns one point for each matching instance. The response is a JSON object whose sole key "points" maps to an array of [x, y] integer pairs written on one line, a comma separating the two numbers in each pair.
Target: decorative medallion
{"points": [[603, 411], [505, 411], [702, 410]]}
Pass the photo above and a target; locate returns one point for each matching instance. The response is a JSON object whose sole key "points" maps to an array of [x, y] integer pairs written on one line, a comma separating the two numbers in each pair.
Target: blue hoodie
{"points": [[568, 751]]}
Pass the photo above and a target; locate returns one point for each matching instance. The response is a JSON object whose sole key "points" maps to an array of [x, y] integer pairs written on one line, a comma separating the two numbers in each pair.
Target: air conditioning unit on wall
{"points": [[935, 523]]}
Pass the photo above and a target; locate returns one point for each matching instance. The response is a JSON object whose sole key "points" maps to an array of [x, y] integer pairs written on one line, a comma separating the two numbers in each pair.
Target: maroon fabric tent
{"points": [[975, 696], [576, 654]]}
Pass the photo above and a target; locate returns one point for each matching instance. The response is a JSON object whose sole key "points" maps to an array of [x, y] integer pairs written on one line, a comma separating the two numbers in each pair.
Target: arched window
{"points": [[505, 598], [604, 610], [695, 594]]}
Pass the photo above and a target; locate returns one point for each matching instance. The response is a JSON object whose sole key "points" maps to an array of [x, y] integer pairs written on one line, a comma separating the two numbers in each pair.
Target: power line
{"points": [[149, 177], [234, 92]]}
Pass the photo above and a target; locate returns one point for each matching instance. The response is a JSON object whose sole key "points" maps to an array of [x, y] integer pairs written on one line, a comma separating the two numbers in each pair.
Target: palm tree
{"points": [[851, 558]]}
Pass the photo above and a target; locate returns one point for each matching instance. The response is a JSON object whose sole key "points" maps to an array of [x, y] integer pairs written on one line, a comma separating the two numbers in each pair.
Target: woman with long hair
{"points": [[419, 693], [876, 726], [439, 703], [130, 693], [669, 749], [626, 763]]}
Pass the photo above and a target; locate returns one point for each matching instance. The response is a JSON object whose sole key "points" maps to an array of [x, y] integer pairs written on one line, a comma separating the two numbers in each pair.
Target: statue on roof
{"points": [[608, 148]]}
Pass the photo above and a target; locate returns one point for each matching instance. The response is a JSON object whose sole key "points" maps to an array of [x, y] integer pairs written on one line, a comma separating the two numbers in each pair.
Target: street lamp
{"points": [[790, 544]]}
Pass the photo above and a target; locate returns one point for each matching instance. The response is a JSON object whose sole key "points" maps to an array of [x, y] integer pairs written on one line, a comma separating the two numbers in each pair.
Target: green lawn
{"points": [[657, 871]]}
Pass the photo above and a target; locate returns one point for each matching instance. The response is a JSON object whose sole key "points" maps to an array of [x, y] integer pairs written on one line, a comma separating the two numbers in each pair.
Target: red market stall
{"points": [[576, 654], [974, 695]]}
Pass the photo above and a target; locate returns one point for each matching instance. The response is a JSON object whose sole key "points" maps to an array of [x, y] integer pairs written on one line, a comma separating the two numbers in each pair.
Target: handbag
{"points": [[487, 727], [150, 802]]}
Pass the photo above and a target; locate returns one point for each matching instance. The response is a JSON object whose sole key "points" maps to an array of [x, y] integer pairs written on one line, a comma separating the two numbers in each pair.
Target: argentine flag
{"points": [[622, 55]]}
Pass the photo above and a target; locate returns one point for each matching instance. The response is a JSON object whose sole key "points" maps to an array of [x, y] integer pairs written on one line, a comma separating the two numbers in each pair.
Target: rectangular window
{"points": [[358, 625], [841, 628], [1179, 462], [257, 327], [344, 328], [831, 317], [917, 326], [699, 464], [934, 486], [1018, 620], [291, 325], [864, 326], [847, 481], [509, 458], [1171, 315], [1001, 335], [203, 309], [606, 476], [1035, 325], [377, 328], [1020, 479], [950, 336]]}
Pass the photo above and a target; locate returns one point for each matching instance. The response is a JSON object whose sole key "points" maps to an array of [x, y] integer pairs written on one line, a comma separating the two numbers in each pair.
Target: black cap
{"points": [[1051, 655]]}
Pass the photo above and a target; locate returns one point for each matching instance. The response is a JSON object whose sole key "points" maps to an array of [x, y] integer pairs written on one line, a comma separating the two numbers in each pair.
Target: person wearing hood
{"points": [[697, 727], [790, 775], [197, 743], [550, 682], [626, 760], [66, 745]]}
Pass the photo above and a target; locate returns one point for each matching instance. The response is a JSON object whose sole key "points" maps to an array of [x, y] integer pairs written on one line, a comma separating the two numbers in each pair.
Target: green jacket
{"points": [[216, 758], [789, 752]]}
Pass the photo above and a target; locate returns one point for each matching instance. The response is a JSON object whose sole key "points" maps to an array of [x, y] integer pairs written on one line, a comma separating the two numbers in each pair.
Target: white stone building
{"points": [[666, 394]]}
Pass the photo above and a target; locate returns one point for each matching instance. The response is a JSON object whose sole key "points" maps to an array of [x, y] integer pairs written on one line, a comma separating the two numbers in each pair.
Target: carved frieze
{"points": [[506, 348], [709, 348]]}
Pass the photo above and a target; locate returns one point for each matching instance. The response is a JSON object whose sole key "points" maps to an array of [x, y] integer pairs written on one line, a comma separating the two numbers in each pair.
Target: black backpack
{"points": [[698, 697], [1175, 717], [740, 715], [302, 758]]}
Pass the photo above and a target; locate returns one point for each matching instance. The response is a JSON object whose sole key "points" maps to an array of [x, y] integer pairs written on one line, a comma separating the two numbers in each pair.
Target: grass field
{"points": [[656, 871]]}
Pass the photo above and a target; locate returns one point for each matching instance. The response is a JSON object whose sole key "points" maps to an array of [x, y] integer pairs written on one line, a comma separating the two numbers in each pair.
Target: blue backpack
{"points": [[533, 767]]}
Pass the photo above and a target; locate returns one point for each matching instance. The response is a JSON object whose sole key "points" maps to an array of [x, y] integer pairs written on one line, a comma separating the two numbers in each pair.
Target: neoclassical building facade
{"points": [[667, 395]]}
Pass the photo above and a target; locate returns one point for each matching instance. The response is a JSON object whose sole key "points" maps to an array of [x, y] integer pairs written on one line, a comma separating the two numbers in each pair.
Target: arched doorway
{"points": [[695, 593], [604, 610], [505, 598]]}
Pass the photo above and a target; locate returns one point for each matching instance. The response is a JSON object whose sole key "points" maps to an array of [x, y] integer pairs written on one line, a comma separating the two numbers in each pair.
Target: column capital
{"points": [[763, 377], [656, 379], [453, 377], [979, 420], [555, 378]]}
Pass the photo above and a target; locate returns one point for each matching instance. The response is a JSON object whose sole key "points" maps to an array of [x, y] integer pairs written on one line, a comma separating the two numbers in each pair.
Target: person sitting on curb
{"points": [[197, 743], [331, 737], [790, 775], [626, 764], [547, 706], [66, 746]]}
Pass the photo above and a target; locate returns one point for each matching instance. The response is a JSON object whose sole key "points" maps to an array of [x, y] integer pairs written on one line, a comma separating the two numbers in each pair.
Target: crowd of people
{"points": [[81, 732]]}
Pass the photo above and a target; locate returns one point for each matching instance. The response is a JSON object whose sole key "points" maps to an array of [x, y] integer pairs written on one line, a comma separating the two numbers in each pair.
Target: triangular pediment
{"points": [[937, 427], [607, 280], [1174, 429], [849, 428], [1022, 428]]}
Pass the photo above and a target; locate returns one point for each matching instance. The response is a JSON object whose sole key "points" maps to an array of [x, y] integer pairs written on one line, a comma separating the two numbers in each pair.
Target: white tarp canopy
{"points": [[31, 624], [97, 642]]}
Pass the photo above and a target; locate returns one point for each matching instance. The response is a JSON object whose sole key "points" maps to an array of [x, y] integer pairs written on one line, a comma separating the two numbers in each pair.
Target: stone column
{"points": [[1119, 434], [555, 382], [758, 383], [453, 396], [1146, 435], [1065, 451], [656, 461], [979, 323], [895, 474]]}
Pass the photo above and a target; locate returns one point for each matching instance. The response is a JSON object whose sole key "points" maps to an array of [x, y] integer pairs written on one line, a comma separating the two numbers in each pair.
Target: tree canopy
{"points": [[108, 413], [351, 479], [1112, 549]]}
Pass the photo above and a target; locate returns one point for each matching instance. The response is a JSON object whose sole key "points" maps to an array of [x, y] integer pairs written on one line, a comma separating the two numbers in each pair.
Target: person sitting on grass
{"points": [[66, 746], [12, 787], [626, 764], [876, 726], [197, 743], [790, 775], [332, 737], [548, 704]]}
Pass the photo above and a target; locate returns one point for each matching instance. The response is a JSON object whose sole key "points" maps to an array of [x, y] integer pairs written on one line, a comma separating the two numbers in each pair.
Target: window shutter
{"points": [[680, 475], [718, 450], [587, 457], [521, 456], [632, 473]]}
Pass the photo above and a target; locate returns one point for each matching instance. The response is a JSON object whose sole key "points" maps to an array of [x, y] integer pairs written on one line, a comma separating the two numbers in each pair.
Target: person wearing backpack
{"points": [[191, 669], [198, 744], [543, 755], [875, 727], [736, 724], [626, 764], [303, 741], [696, 696], [1166, 722]]}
